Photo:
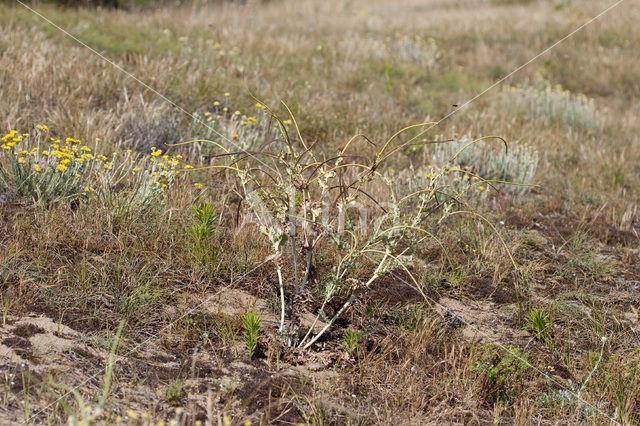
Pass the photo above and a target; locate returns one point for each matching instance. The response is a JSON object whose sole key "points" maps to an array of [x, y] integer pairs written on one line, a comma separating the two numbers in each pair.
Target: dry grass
{"points": [[344, 67]]}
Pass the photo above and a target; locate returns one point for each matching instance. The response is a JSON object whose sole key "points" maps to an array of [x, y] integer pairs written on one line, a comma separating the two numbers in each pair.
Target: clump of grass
{"points": [[148, 126], [583, 262]]}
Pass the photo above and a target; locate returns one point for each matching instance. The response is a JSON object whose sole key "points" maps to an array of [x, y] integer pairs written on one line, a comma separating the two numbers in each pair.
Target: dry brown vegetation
{"points": [[551, 338]]}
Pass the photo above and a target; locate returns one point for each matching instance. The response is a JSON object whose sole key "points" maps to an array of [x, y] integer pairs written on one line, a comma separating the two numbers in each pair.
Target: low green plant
{"points": [[203, 231], [539, 322], [351, 339], [251, 326], [409, 317], [502, 373], [174, 391]]}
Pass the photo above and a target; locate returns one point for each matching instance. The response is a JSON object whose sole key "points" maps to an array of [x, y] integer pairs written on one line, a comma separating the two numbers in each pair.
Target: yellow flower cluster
{"points": [[58, 154], [74, 168], [164, 167], [10, 139]]}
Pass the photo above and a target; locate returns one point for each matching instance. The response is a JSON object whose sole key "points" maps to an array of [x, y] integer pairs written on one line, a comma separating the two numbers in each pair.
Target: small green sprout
{"points": [[539, 322], [251, 331], [351, 339]]}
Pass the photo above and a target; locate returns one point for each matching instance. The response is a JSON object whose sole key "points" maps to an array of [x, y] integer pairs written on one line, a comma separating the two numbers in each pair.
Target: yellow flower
{"points": [[237, 113], [156, 153], [42, 127], [188, 166], [45, 153], [197, 185], [21, 160], [61, 168], [235, 135], [227, 94], [65, 161], [37, 168], [78, 175]]}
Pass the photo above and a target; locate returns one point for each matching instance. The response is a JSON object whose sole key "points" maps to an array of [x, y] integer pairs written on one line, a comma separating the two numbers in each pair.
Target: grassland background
{"points": [[576, 235]]}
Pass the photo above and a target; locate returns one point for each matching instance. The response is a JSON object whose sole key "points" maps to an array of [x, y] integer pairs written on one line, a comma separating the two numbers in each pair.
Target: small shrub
{"points": [[470, 165], [174, 392], [305, 203], [542, 101]]}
